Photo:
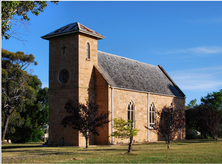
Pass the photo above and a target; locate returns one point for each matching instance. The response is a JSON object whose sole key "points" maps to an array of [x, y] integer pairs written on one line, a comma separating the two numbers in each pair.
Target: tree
{"points": [[192, 127], [191, 104], [32, 118], [124, 129], [170, 123], [15, 89], [10, 9], [214, 102], [28, 125], [85, 118], [213, 99], [191, 119], [210, 119]]}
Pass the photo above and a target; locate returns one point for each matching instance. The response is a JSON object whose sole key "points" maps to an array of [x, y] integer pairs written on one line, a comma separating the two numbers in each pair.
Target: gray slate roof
{"points": [[134, 75], [73, 28]]}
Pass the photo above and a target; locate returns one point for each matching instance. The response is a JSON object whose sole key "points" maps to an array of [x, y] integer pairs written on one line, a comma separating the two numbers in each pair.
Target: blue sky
{"points": [[185, 38]]}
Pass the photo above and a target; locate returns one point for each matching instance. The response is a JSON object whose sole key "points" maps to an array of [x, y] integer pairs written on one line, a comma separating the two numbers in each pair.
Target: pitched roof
{"points": [[126, 73], [73, 28]]}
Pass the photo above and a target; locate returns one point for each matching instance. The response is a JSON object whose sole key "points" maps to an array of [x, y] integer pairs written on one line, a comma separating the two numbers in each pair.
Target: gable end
{"points": [[161, 68]]}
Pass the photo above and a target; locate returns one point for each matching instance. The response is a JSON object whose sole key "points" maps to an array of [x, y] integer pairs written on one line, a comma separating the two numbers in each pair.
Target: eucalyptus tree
{"points": [[11, 9], [15, 88], [28, 125]]}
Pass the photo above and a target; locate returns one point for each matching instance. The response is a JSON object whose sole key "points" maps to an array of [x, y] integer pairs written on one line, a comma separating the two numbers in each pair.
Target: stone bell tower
{"points": [[72, 56]]}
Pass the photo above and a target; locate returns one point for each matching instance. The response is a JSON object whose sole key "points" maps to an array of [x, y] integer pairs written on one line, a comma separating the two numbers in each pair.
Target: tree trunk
{"points": [[5, 126], [130, 145], [168, 144], [216, 138], [87, 137]]}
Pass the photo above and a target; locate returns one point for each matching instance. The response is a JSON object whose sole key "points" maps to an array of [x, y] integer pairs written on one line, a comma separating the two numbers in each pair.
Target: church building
{"points": [[124, 87]]}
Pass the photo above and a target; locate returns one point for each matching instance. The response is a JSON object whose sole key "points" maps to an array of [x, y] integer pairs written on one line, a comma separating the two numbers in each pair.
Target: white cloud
{"points": [[203, 79], [197, 85], [206, 50], [197, 50]]}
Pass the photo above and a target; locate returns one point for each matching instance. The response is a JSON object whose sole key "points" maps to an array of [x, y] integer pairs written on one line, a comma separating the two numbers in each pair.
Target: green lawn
{"points": [[190, 151]]}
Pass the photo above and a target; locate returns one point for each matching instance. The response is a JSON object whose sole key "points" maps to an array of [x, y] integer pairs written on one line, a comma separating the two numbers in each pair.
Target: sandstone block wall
{"points": [[102, 101], [69, 52], [86, 68], [59, 93], [87, 90], [142, 102]]}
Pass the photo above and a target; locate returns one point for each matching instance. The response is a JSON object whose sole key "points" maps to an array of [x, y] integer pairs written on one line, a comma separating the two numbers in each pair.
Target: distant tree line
{"points": [[205, 120]]}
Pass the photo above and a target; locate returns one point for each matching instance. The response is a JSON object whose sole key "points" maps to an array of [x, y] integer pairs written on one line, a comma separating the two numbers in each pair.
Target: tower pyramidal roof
{"points": [[72, 28]]}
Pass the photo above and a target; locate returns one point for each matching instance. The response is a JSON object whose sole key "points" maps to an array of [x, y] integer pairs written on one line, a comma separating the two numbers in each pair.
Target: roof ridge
{"points": [[78, 24], [128, 58]]}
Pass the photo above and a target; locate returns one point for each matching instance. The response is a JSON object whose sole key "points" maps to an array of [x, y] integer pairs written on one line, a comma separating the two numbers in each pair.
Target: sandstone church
{"points": [[126, 88]]}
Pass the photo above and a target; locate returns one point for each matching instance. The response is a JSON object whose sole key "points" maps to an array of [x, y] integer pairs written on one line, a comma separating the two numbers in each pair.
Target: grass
{"points": [[190, 151]]}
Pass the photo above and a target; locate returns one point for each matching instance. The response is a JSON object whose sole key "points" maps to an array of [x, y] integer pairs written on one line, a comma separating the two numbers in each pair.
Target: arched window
{"points": [[88, 51], [131, 113], [152, 115]]}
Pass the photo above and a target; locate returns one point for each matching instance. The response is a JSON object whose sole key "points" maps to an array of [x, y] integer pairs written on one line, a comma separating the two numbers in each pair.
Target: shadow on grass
{"points": [[198, 140], [27, 146], [85, 150], [193, 141], [30, 154], [39, 152]]}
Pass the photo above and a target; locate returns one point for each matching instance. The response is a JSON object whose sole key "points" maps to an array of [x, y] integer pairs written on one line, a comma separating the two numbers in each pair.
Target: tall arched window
{"points": [[152, 115], [88, 51], [131, 113]]}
